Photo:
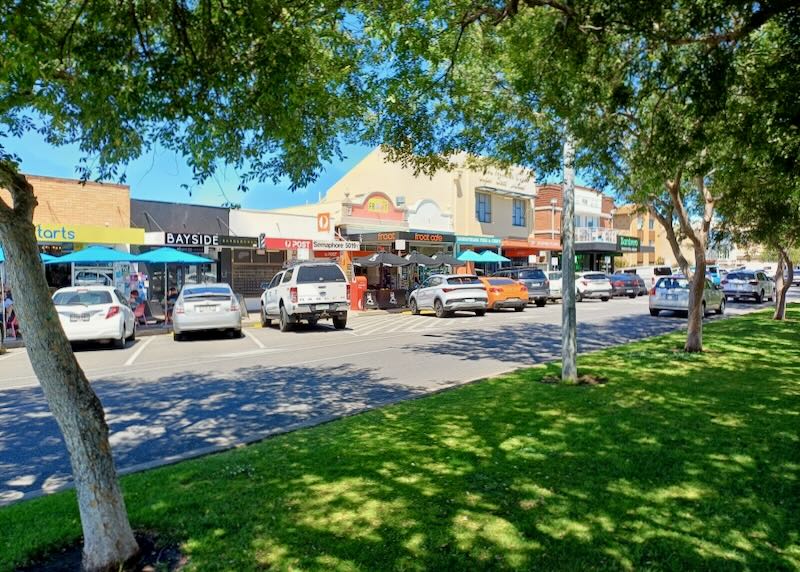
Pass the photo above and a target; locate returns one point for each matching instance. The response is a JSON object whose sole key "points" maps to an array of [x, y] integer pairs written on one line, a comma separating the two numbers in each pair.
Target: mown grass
{"points": [[680, 462]]}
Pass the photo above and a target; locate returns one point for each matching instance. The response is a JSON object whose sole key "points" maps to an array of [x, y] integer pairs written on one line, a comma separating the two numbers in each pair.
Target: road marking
{"points": [[254, 339], [9, 354], [246, 353], [138, 352]]}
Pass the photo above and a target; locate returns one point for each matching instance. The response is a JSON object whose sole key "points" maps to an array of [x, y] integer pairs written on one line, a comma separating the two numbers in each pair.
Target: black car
{"points": [[625, 285]]}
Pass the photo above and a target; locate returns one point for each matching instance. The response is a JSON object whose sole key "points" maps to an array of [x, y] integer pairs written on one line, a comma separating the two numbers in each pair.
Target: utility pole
{"points": [[569, 334]]}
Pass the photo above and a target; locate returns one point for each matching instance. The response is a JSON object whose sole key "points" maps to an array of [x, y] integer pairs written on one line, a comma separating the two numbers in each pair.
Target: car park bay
{"points": [[166, 400]]}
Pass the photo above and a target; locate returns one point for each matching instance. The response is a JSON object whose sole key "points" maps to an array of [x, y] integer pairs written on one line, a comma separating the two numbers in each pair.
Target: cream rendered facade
{"points": [[445, 202]]}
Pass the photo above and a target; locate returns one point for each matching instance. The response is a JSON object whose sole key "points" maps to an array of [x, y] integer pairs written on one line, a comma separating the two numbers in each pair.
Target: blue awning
{"points": [[95, 255], [167, 255]]}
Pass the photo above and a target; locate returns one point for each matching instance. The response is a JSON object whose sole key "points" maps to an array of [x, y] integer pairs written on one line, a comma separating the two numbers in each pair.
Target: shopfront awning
{"points": [[470, 256], [381, 259]]}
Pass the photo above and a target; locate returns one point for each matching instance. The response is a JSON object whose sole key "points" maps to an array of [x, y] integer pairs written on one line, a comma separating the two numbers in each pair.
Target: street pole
{"points": [[569, 336]]}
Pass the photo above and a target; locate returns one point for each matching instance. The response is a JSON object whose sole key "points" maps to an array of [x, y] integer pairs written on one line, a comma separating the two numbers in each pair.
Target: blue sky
{"points": [[159, 176]]}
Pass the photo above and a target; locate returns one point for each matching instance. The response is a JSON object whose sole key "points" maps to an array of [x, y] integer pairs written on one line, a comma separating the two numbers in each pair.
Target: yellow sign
{"points": [[378, 205], [88, 234]]}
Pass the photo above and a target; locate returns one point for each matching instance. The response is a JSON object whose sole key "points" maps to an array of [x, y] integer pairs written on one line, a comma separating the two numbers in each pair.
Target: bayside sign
{"points": [[189, 239]]}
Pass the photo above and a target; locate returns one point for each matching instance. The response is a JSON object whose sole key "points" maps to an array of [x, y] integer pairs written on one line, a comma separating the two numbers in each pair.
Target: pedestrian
{"points": [[135, 300], [11, 315]]}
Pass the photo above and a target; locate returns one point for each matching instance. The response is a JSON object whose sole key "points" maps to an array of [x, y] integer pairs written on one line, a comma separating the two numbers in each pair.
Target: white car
{"points": [[755, 285], [448, 293], [593, 285], [91, 278], [554, 276], [308, 291], [90, 313], [672, 293], [204, 307]]}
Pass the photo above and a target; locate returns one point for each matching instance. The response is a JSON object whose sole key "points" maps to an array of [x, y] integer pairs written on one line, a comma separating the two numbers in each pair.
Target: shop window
{"points": [[483, 207], [242, 256], [639, 223], [519, 212]]}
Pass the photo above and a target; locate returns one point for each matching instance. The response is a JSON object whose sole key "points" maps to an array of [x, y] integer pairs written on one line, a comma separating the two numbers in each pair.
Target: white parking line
{"points": [[255, 340], [138, 352], [9, 354]]}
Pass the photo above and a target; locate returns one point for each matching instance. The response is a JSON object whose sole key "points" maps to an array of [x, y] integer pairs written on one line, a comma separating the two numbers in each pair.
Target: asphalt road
{"points": [[168, 400]]}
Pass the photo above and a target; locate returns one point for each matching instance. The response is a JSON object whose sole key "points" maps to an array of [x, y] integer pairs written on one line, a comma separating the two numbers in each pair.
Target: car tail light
{"points": [[348, 292], [584, 283], [753, 282], [653, 291], [496, 290], [448, 289], [547, 284], [234, 305], [112, 311], [724, 281], [618, 284], [523, 288], [293, 295], [179, 308]]}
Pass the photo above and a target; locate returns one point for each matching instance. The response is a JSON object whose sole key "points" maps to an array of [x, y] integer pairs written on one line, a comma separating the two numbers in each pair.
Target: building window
{"points": [[483, 207], [640, 223], [519, 213], [651, 223]]}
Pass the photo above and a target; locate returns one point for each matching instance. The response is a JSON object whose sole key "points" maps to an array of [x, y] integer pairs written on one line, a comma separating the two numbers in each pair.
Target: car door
{"points": [[271, 299], [766, 284], [428, 292], [710, 295]]}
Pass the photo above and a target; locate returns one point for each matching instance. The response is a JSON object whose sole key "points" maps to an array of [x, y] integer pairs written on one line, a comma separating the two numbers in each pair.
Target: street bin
{"points": [[357, 290]]}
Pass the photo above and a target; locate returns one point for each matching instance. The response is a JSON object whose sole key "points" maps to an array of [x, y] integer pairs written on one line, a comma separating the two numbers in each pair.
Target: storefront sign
{"points": [[479, 240], [239, 241], [286, 243], [324, 222], [428, 237], [349, 245], [326, 254], [88, 234], [420, 236], [190, 239], [628, 243], [546, 243]]}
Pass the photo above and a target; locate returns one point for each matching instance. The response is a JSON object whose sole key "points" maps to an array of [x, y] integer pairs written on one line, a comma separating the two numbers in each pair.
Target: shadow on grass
{"points": [[681, 462]]}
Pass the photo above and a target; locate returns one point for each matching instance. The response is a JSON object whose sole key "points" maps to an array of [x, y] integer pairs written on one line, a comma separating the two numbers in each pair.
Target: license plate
{"points": [[206, 308], [535, 284], [469, 299], [629, 291], [320, 306]]}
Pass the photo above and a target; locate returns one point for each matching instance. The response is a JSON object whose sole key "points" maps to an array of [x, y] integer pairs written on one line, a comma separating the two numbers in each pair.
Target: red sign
{"points": [[327, 253], [287, 243], [546, 243]]}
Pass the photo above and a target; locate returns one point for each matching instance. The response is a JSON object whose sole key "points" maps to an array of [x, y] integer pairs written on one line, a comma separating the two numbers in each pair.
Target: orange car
{"points": [[505, 293]]}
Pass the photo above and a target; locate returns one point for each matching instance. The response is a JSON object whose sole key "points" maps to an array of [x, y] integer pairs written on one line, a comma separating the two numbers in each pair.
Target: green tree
{"points": [[642, 86], [266, 86]]}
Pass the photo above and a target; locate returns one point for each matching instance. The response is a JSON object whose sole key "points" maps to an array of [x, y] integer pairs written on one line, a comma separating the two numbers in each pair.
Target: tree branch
{"points": [[24, 200], [757, 20]]}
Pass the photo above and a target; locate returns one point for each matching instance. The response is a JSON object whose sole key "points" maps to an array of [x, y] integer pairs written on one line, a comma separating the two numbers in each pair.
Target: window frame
{"points": [[486, 211], [518, 213]]}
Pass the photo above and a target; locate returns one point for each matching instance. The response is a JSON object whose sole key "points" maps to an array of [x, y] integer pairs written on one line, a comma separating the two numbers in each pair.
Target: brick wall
{"points": [[67, 201]]}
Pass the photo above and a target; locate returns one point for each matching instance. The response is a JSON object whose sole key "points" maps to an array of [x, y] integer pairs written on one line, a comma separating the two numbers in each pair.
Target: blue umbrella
{"points": [[167, 255], [470, 256], [95, 255], [489, 256], [45, 257]]}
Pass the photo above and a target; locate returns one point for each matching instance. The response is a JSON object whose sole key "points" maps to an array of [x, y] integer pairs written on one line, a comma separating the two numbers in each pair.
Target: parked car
{"points": [[534, 280], [205, 307], [592, 285], [755, 285], [308, 291], [89, 313], [92, 278], [505, 293], [796, 277], [672, 293], [650, 274], [554, 276], [641, 286], [448, 293], [624, 285]]}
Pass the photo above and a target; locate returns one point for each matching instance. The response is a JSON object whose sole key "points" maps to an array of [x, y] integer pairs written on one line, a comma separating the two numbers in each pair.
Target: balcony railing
{"points": [[594, 234]]}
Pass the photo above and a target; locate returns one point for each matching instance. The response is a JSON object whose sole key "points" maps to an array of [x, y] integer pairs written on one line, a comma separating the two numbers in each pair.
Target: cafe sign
{"points": [[421, 236], [331, 245], [628, 243]]}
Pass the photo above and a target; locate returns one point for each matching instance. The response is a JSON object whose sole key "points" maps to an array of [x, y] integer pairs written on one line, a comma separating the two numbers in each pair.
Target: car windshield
{"points": [[555, 276], [713, 270], [532, 274], [501, 281], [463, 280], [673, 283], [741, 276], [207, 292], [82, 298], [321, 273], [595, 277]]}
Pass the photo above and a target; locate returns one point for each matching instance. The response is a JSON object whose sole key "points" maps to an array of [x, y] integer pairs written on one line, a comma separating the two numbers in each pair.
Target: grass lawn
{"points": [[680, 462]]}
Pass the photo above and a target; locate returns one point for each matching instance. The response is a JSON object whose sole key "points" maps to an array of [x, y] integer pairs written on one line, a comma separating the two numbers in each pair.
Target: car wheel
{"points": [[340, 323], [133, 333], [654, 312], [703, 309], [235, 334], [631, 296], [413, 306], [540, 303], [480, 313], [177, 337], [721, 309], [605, 299], [760, 297], [579, 297], [265, 322], [439, 308], [519, 308], [119, 343], [284, 324]]}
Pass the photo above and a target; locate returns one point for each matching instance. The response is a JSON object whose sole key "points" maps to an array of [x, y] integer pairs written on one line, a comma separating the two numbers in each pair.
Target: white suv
{"points": [[447, 293], [307, 291]]}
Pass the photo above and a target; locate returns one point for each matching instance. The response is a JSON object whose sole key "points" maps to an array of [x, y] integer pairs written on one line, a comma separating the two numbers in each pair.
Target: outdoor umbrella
{"points": [[422, 260], [489, 256], [381, 259], [167, 255], [447, 259], [94, 255], [470, 256], [45, 257]]}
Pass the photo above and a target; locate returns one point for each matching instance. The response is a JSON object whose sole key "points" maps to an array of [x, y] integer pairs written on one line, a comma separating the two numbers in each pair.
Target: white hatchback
{"points": [[448, 293], [207, 307], [90, 313]]}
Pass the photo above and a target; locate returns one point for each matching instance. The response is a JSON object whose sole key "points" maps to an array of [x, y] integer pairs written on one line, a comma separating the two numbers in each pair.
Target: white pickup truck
{"points": [[308, 291]]}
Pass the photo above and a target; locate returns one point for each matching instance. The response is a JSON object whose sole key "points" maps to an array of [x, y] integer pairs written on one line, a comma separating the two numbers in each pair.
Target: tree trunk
{"points": [[569, 335], [694, 327], [782, 285], [108, 538]]}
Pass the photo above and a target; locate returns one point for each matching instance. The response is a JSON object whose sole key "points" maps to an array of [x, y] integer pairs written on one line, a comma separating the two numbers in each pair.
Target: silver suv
{"points": [[752, 284]]}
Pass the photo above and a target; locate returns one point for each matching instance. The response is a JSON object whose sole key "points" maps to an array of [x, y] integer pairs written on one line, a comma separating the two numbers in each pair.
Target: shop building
{"points": [[597, 241], [633, 221]]}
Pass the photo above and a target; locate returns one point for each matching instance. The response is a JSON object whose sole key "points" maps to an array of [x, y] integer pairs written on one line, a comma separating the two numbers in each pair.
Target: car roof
{"points": [[207, 285], [453, 276], [90, 288]]}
